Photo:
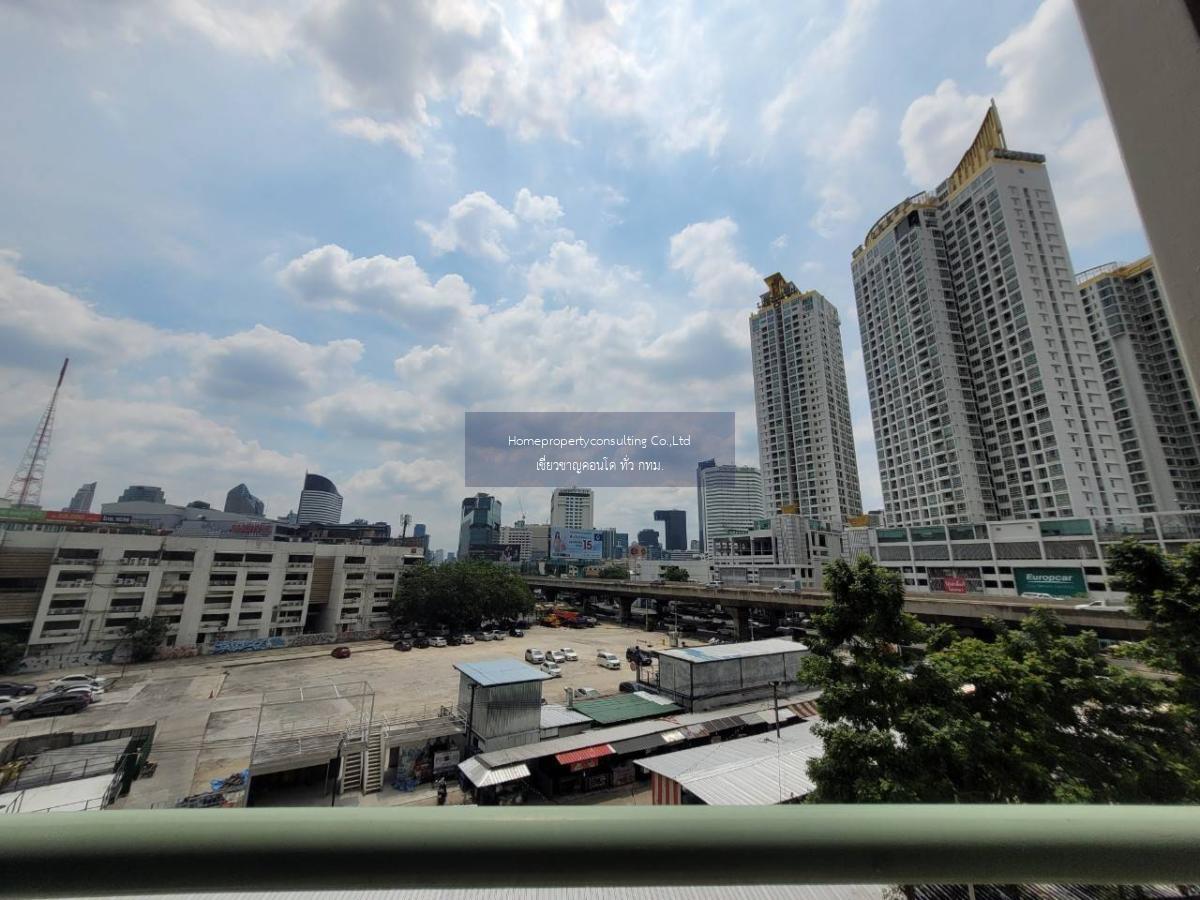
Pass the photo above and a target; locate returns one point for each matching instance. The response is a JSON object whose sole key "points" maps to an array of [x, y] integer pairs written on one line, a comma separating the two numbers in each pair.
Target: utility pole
{"points": [[775, 703]]}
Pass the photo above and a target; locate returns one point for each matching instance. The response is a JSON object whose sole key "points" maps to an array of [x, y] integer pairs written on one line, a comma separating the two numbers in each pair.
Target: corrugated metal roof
{"points": [[713, 757], [500, 671], [632, 745], [715, 652], [584, 754], [623, 732], [556, 716], [624, 708], [481, 776]]}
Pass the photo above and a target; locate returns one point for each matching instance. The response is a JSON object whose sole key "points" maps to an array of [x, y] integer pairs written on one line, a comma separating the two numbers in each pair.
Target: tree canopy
{"points": [[614, 570], [674, 573], [1031, 714], [12, 651], [460, 595], [145, 635]]}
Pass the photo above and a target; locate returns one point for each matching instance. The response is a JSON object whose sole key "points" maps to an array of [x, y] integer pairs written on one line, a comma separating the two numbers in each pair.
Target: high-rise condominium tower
{"points": [[240, 500], [1147, 382], [479, 525], [82, 501], [731, 500], [986, 392], [805, 436], [320, 502], [571, 507]]}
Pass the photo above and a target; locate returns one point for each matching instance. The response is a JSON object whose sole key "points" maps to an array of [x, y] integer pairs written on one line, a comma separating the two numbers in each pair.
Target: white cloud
{"points": [[838, 209], [476, 224], [705, 253], [1049, 101], [396, 287], [539, 210], [570, 271], [266, 366], [852, 141], [780, 243], [40, 322]]}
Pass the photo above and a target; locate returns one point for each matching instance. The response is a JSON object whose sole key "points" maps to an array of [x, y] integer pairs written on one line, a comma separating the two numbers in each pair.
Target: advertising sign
{"points": [[22, 514], [955, 585], [1056, 582], [445, 761], [67, 516], [496, 552], [225, 528], [576, 543]]}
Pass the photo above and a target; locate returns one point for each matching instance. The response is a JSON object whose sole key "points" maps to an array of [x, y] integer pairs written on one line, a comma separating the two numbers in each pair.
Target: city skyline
{"points": [[298, 343]]}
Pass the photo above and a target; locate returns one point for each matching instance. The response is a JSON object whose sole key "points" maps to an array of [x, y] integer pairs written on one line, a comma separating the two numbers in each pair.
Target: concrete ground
{"points": [[207, 709]]}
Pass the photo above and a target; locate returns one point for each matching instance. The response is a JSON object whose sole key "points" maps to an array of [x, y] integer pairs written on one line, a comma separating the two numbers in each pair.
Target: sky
{"points": [[307, 236]]}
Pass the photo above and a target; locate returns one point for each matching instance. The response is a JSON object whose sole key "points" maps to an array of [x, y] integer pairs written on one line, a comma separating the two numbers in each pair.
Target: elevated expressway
{"points": [[962, 610]]}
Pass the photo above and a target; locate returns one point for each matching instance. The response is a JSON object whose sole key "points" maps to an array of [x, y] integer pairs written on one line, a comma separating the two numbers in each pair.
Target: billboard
{"points": [[225, 528], [1056, 582], [69, 516], [576, 543], [496, 552], [955, 585]]}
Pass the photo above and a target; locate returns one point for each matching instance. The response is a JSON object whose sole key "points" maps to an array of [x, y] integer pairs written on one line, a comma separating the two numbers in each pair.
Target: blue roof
{"points": [[500, 671]]}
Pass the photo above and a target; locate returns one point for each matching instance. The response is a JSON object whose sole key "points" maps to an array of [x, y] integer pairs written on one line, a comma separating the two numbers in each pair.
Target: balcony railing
{"points": [[260, 850]]}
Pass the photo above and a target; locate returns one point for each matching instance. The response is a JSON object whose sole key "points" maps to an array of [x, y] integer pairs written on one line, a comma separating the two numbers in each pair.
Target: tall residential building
{"points": [[240, 500], [986, 393], [674, 528], [82, 501], [320, 502], [571, 507], [731, 500], [144, 492], [1147, 56], [700, 467], [805, 435], [479, 524], [1153, 405]]}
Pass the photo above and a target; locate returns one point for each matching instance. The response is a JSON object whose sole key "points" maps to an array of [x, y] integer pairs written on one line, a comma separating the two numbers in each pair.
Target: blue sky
{"points": [[309, 235]]}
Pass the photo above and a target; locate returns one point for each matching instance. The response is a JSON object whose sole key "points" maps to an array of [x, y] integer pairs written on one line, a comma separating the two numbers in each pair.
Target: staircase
{"points": [[372, 779], [352, 770]]}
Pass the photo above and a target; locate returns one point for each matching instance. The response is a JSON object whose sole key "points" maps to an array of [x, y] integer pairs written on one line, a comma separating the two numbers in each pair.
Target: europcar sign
{"points": [[1056, 582]]}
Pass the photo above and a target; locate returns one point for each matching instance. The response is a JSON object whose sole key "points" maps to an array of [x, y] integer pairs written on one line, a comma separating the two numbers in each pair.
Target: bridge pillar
{"points": [[774, 619], [741, 622], [587, 604], [626, 609]]}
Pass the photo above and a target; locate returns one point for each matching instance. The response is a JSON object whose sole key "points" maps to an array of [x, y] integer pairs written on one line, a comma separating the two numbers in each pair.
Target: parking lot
{"points": [[208, 709]]}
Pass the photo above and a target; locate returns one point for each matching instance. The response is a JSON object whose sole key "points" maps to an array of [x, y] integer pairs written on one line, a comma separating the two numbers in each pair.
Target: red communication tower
{"points": [[25, 489]]}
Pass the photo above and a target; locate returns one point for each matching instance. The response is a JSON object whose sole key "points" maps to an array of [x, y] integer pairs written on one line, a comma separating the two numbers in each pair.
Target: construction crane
{"points": [[25, 489]]}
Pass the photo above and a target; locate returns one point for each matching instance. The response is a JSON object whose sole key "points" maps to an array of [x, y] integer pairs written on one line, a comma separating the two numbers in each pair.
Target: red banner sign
{"points": [[956, 585]]}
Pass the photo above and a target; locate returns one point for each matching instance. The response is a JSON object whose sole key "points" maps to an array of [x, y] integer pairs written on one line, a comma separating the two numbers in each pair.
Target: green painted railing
{"points": [[106, 852]]}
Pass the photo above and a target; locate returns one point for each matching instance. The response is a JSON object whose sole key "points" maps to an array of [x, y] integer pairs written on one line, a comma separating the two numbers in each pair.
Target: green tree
{"points": [[857, 662], [1033, 715], [460, 595], [1165, 591], [674, 573], [614, 570], [145, 637], [12, 651]]}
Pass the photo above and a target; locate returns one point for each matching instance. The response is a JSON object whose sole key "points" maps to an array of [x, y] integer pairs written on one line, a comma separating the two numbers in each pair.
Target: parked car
{"points": [[606, 660], [497, 635], [454, 640], [516, 632], [637, 654], [556, 656], [402, 645], [522, 624], [16, 688], [85, 691], [8, 703], [468, 638], [80, 678], [537, 657], [552, 670], [585, 693], [421, 643], [483, 635], [569, 654], [1037, 595], [65, 703], [628, 687], [437, 641], [340, 652]]}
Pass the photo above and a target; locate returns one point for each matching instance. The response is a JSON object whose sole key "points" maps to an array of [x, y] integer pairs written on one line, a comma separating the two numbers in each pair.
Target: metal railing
{"points": [[344, 849]]}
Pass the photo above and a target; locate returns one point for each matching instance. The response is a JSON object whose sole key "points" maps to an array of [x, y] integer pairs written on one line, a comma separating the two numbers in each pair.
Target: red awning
{"points": [[806, 709], [577, 756]]}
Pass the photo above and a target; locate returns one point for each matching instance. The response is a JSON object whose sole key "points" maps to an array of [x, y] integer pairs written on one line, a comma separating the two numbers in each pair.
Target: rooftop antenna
{"points": [[25, 489]]}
